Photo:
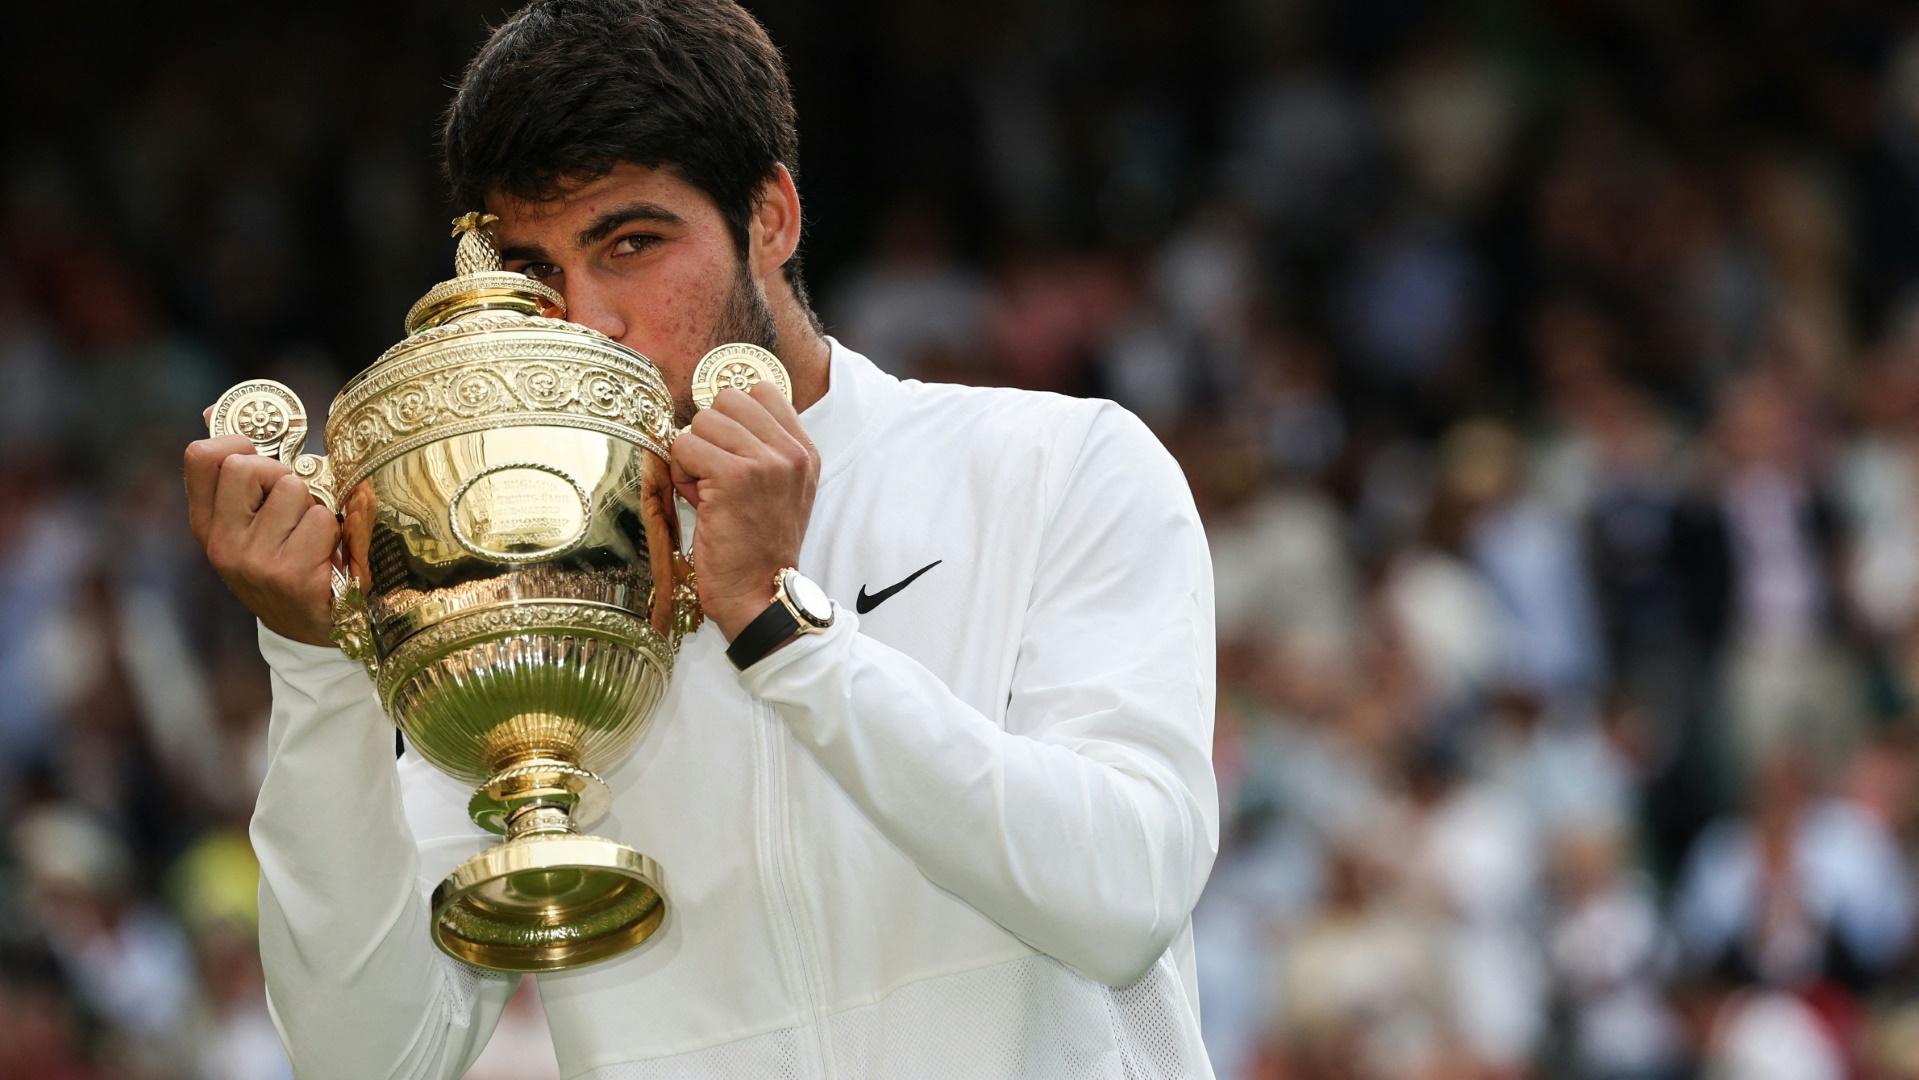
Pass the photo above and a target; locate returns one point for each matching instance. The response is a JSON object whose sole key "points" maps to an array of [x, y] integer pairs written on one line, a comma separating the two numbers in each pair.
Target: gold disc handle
{"points": [[738, 366], [271, 414]]}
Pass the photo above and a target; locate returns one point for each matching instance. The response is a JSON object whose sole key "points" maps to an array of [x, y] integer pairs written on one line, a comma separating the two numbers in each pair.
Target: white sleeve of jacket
{"points": [[1088, 824], [356, 988]]}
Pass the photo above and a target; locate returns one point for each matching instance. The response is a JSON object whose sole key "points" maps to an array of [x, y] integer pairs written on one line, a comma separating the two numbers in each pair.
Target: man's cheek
{"points": [[689, 303], [670, 328]]}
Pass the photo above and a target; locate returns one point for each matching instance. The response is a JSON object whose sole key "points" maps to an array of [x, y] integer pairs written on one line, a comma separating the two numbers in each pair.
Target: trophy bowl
{"points": [[514, 582]]}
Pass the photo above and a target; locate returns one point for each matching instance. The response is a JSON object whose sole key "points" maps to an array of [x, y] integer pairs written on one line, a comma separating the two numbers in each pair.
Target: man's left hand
{"points": [[747, 465]]}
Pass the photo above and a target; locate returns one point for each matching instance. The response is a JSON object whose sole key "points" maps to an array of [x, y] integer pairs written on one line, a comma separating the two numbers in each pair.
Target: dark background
{"points": [[1547, 375]]}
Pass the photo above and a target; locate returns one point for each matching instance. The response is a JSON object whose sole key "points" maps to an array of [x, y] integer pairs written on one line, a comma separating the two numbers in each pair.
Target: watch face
{"points": [[809, 598]]}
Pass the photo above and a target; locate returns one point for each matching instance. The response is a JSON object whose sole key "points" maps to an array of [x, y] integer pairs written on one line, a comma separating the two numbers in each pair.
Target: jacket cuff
{"points": [[799, 657], [296, 661]]}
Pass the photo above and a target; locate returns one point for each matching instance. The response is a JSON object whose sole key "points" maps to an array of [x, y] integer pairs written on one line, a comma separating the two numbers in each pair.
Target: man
{"points": [[958, 833]]}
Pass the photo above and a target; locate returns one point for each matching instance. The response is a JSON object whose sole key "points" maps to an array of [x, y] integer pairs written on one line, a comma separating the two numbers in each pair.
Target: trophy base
{"points": [[546, 902]]}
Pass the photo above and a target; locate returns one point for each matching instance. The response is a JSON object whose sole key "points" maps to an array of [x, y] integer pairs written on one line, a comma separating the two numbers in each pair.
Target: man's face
{"points": [[646, 259]]}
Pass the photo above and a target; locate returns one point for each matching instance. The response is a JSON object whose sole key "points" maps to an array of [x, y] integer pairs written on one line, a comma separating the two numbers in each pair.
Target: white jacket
{"points": [[958, 836]]}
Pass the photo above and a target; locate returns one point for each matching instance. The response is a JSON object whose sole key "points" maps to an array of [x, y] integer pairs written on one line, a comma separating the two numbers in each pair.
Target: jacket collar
{"points": [[843, 420]]}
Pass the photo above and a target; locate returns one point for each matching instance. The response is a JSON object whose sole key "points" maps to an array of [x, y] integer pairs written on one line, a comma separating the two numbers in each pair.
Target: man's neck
{"points": [[803, 350]]}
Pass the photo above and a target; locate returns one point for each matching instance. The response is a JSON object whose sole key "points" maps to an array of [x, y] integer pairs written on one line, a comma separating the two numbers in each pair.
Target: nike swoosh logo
{"points": [[864, 603]]}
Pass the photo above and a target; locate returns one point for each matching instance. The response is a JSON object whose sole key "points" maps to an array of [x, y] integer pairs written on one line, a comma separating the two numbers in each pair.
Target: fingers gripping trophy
{"points": [[514, 582]]}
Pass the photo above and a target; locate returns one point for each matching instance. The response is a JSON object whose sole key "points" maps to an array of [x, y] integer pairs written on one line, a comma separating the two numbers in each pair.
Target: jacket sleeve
{"points": [[356, 988], [1087, 824]]}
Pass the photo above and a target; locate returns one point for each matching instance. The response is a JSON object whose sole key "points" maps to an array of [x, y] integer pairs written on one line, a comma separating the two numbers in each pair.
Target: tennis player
{"points": [[949, 819]]}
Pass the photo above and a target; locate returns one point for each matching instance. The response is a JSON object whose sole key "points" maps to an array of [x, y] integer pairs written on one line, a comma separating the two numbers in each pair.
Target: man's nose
{"points": [[594, 308]]}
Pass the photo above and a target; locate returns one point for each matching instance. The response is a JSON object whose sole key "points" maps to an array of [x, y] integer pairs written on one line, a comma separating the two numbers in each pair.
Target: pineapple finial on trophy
{"points": [[481, 283], [477, 255]]}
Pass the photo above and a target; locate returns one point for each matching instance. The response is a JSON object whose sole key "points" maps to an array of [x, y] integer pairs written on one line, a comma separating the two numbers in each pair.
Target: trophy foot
{"points": [[549, 897], [548, 901]]}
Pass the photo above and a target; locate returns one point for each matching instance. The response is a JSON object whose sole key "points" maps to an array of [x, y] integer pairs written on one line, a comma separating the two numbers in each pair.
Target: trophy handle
{"points": [[272, 415], [352, 625], [687, 614]]}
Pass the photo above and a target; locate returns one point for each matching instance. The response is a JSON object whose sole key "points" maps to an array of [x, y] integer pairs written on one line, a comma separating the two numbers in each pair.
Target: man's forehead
{"points": [[575, 205]]}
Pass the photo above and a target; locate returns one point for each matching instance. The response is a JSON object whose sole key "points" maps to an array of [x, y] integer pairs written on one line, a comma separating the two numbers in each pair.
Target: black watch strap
{"points": [[762, 636]]}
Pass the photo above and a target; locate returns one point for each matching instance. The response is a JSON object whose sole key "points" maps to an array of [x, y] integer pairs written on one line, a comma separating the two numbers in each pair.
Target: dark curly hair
{"points": [[567, 89]]}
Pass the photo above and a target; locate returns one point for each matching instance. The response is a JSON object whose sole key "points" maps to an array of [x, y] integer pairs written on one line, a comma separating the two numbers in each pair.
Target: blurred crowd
{"points": [[1546, 374]]}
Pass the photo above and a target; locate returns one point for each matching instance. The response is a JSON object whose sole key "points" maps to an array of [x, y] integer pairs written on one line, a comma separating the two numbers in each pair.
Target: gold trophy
{"points": [[514, 582]]}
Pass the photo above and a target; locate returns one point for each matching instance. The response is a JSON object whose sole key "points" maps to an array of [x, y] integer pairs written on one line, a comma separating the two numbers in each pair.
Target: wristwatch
{"points": [[798, 607]]}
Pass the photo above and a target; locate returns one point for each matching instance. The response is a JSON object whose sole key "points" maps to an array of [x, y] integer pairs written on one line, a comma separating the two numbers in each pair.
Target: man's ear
{"points": [[774, 232]]}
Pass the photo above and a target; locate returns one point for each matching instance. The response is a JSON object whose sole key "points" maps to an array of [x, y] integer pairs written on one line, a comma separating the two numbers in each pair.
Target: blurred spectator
{"points": [[45, 547], [1788, 681], [1452, 623], [1759, 1034], [1529, 555], [1475, 858], [1877, 486], [42, 1036], [914, 311], [1306, 146], [1281, 573], [237, 1040], [1610, 956], [1411, 308], [1565, 772], [1289, 390], [1452, 115], [1205, 277], [128, 960], [1813, 888], [1365, 984], [1143, 359]]}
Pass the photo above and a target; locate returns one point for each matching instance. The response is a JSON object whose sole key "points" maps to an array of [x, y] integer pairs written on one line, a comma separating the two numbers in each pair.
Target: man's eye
{"points": [[633, 245], [539, 271]]}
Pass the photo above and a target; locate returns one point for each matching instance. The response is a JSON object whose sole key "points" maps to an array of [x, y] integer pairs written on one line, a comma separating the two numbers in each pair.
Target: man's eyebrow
{"points": [[604, 225], [523, 252]]}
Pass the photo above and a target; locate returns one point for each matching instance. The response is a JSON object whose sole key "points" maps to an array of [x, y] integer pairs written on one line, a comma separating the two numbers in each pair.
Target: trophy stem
{"points": [[540, 819], [539, 795]]}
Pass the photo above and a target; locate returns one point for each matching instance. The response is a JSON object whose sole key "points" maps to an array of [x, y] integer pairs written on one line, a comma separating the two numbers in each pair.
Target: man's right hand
{"points": [[269, 538]]}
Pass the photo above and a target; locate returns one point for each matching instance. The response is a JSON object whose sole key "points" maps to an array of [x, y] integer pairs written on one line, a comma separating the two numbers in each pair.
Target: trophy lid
{"points": [[480, 284]]}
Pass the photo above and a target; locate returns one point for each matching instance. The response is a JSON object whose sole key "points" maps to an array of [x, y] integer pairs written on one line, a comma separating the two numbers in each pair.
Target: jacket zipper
{"points": [[779, 863]]}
